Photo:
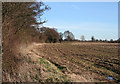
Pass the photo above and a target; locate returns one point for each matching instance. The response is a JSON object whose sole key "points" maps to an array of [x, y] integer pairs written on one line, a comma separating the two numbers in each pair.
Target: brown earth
{"points": [[76, 62]]}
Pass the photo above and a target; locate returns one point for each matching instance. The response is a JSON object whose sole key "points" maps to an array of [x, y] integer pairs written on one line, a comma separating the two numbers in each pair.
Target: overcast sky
{"points": [[98, 19]]}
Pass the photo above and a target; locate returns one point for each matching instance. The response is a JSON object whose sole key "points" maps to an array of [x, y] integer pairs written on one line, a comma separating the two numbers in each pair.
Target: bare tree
{"points": [[69, 35], [39, 9], [83, 38]]}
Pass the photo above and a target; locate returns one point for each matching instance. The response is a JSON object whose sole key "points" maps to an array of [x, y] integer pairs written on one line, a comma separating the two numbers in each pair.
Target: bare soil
{"points": [[76, 62]]}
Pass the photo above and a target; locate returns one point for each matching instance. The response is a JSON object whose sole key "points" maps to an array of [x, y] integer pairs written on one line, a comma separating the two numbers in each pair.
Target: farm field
{"points": [[76, 62], [93, 61], [59, 42]]}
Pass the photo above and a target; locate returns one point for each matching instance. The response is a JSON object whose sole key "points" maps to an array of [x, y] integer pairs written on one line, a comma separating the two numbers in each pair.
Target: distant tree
{"points": [[111, 40], [106, 40], [100, 40], [49, 35], [103, 40], [92, 38], [83, 38], [61, 36], [96, 40], [69, 36], [118, 40]]}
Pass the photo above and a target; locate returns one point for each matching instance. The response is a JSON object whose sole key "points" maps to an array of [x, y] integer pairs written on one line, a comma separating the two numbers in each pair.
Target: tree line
{"points": [[99, 40], [51, 35]]}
